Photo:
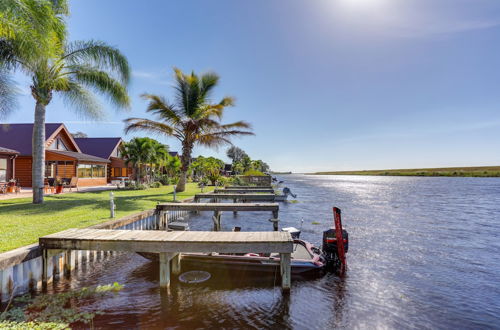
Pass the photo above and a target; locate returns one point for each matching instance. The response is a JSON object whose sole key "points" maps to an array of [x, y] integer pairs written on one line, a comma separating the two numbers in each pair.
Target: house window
{"points": [[91, 171], [50, 169], [58, 144], [3, 169]]}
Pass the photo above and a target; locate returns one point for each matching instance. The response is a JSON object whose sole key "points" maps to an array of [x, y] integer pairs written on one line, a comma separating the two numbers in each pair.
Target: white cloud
{"points": [[144, 74]]}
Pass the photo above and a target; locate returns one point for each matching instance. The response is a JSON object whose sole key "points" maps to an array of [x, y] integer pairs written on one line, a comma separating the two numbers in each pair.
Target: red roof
{"points": [[99, 147], [19, 136]]}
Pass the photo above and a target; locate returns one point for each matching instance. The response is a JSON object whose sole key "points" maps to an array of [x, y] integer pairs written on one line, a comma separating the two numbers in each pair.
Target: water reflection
{"points": [[424, 253]]}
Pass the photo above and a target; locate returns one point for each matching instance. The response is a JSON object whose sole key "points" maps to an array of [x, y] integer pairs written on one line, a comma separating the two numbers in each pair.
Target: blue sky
{"points": [[327, 85]]}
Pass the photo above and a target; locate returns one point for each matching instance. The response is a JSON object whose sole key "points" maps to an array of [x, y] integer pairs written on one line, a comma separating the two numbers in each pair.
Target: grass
{"points": [[481, 171], [22, 223]]}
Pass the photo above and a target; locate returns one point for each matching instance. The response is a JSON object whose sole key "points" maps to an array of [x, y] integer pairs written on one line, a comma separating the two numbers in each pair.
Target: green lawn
{"points": [[22, 223]]}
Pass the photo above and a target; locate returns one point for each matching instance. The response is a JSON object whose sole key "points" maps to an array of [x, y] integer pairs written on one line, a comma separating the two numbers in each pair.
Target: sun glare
{"points": [[362, 3]]}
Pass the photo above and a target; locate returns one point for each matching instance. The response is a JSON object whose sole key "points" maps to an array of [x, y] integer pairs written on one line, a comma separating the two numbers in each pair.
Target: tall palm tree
{"points": [[74, 71], [192, 118], [26, 30]]}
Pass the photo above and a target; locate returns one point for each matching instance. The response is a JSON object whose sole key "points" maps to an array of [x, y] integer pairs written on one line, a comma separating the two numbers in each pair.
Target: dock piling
{"points": [[285, 267]]}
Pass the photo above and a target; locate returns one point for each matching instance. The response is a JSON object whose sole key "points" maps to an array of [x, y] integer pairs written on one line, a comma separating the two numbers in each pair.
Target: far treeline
{"points": [[480, 171]]}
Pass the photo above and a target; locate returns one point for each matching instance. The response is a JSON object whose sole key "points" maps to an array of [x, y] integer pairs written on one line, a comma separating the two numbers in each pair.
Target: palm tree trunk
{"points": [[185, 160], [38, 153]]}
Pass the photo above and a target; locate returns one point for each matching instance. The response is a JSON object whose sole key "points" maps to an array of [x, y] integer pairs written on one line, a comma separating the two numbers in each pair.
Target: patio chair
{"points": [[72, 184]]}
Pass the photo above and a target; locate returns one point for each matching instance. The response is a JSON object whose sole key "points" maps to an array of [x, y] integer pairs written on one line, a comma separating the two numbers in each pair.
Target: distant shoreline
{"points": [[478, 171]]}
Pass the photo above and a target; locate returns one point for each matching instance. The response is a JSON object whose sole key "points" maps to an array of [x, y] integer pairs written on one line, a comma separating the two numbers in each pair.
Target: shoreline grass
{"points": [[478, 171], [22, 223]]}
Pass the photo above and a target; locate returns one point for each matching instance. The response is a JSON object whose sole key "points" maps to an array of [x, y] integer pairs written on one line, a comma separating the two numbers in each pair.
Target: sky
{"points": [[326, 84]]}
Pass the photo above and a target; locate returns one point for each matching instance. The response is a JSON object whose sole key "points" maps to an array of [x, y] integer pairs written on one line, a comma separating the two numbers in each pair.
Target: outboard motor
{"points": [[335, 253], [287, 191]]}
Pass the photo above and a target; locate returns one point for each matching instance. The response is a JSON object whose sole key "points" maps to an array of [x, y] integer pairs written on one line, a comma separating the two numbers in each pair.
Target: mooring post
{"points": [[176, 264], [276, 214], [164, 270], [285, 266], [275, 223], [45, 268], [112, 204], [235, 201], [67, 263], [216, 218], [175, 188]]}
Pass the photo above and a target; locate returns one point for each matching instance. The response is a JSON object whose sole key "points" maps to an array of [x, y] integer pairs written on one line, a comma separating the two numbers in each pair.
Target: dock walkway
{"points": [[237, 197], [170, 245], [217, 208]]}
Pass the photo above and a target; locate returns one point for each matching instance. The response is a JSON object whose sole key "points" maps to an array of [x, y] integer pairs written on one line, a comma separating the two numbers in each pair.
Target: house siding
{"points": [[23, 171]]}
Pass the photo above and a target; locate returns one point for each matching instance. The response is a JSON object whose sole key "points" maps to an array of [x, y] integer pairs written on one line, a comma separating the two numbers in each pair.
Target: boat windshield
{"points": [[300, 252]]}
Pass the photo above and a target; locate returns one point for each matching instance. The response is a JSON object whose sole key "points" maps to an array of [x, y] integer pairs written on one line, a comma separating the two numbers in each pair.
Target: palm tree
{"points": [[191, 118], [138, 152], [26, 30], [73, 70]]}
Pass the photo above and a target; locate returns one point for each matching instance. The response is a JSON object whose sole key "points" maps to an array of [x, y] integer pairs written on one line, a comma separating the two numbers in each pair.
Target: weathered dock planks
{"points": [[245, 190], [170, 245], [217, 208], [237, 197]]}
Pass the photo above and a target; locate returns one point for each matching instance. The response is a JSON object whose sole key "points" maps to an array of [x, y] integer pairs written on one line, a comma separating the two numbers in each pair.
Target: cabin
{"points": [[7, 161], [110, 149], [63, 157]]}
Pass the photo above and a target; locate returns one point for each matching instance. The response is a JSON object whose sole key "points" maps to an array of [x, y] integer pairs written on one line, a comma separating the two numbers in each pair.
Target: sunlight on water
{"points": [[423, 253]]}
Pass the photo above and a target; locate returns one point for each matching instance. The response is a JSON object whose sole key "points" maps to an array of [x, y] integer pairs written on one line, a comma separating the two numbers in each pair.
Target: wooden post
{"points": [[275, 224], [217, 220], [67, 263], [285, 266], [276, 214], [45, 268], [176, 264], [235, 212], [164, 271]]}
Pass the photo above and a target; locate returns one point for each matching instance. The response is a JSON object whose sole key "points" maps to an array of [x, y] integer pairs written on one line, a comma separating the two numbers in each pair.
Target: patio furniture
{"points": [[72, 184], [3, 187]]}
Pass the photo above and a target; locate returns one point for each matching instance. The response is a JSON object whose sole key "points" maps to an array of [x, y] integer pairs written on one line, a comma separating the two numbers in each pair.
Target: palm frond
{"points": [[102, 82], [82, 101], [159, 106], [238, 124], [100, 55], [8, 93], [151, 126]]}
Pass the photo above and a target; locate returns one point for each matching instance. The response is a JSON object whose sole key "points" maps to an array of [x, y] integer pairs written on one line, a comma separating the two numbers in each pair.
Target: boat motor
{"points": [[287, 191], [335, 253]]}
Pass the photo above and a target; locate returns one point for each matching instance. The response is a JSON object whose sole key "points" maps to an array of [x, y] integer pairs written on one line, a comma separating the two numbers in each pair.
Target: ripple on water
{"points": [[424, 253]]}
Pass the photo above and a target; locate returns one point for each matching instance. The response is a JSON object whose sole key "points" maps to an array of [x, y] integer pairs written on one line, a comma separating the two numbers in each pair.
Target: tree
{"points": [[79, 135], [26, 30], [209, 167], [192, 118], [235, 154], [259, 165], [74, 70], [143, 154], [172, 166]]}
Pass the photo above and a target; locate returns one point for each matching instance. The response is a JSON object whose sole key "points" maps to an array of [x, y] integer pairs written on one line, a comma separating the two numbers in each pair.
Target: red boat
{"points": [[305, 258]]}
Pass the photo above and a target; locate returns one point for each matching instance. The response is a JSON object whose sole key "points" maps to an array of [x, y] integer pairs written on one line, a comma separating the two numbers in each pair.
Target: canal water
{"points": [[424, 253]]}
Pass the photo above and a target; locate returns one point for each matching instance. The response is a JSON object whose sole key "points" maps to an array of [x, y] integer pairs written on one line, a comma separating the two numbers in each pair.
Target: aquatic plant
{"points": [[54, 311]]}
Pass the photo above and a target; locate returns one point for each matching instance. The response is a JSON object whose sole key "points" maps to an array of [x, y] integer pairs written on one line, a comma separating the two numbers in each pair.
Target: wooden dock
{"points": [[254, 190], [170, 245], [237, 197], [217, 208]]}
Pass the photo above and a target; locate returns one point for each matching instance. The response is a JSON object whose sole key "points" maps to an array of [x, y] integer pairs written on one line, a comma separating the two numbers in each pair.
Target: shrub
{"points": [[165, 180], [253, 173], [156, 184]]}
